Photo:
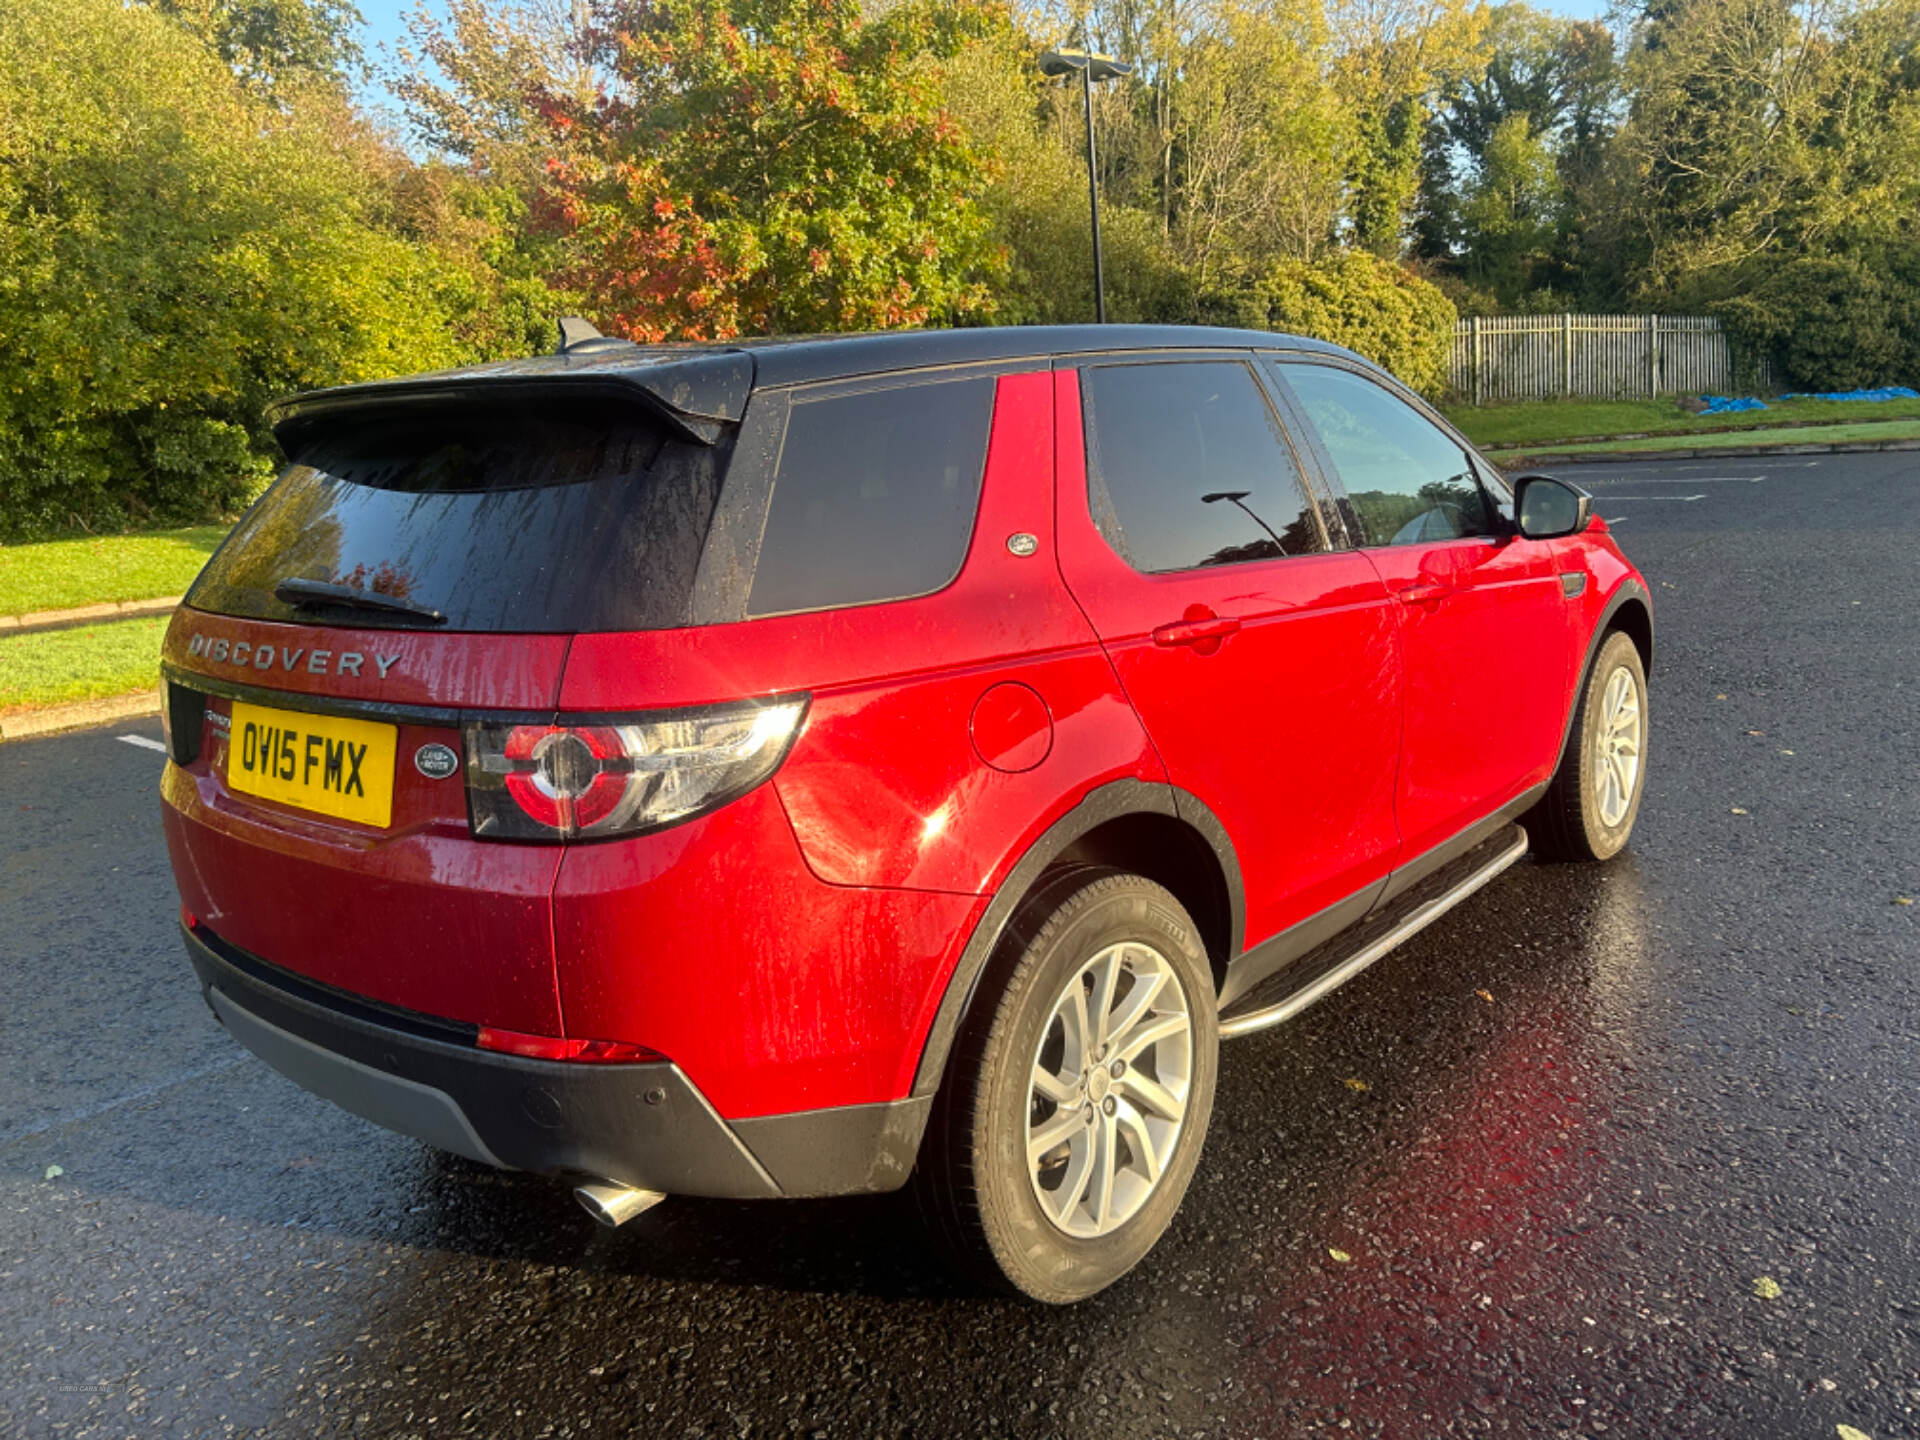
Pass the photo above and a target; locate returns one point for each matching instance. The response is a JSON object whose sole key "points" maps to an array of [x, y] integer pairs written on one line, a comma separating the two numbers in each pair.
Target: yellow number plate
{"points": [[324, 763]]}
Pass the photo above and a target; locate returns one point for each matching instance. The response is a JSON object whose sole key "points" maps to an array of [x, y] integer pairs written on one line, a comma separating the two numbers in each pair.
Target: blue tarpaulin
{"points": [[1885, 392], [1725, 405]]}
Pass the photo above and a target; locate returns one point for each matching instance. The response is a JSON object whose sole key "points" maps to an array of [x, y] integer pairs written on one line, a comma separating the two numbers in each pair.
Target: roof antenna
{"points": [[575, 332]]}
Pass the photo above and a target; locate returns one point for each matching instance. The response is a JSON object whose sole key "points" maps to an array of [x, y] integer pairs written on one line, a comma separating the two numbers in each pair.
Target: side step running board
{"points": [[1416, 921]]}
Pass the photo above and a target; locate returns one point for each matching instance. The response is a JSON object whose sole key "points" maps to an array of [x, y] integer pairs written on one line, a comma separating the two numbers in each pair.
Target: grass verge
{"points": [[1811, 435], [58, 666], [1541, 422], [59, 574]]}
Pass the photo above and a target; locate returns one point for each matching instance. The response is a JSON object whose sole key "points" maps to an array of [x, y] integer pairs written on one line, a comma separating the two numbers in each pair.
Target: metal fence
{"points": [[1537, 357]]}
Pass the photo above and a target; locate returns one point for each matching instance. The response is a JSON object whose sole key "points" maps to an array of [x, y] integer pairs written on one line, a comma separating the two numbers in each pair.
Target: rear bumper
{"points": [[642, 1125]]}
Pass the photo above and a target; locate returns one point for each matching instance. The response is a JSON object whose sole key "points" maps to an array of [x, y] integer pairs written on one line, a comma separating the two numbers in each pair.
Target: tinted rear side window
{"points": [[503, 521], [1188, 466], [874, 497]]}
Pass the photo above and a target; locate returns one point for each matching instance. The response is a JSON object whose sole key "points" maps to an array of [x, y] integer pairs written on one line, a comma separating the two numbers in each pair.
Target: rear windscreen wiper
{"points": [[324, 595]]}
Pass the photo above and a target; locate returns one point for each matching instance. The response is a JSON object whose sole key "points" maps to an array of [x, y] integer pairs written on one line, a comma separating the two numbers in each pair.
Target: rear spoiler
{"points": [[696, 394]]}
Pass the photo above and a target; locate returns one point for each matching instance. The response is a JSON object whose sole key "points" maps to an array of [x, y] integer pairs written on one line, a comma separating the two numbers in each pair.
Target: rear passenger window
{"points": [[874, 497], [1406, 480], [1187, 466]]}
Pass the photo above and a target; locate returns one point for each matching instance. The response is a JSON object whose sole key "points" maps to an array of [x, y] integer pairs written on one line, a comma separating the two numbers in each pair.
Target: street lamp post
{"points": [[1091, 68]]}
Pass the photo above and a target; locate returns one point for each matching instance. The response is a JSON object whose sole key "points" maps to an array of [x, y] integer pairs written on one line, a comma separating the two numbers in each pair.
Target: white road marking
{"points": [[1757, 460], [143, 742], [1683, 480], [1681, 499]]}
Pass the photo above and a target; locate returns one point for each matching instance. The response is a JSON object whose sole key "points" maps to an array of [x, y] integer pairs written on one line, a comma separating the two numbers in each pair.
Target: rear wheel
{"points": [[1594, 797], [1074, 1114]]}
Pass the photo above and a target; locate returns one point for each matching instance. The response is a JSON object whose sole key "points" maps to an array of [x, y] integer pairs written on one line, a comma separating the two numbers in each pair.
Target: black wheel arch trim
{"points": [[1192, 809], [1627, 592], [1112, 801]]}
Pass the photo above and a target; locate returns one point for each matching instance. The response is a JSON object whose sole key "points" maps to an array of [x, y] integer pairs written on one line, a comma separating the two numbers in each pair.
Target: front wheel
{"points": [[1073, 1118], [1594, 797]]}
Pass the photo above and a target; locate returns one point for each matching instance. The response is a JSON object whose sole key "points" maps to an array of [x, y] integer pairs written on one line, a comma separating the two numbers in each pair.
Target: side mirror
{"points": [[1548, 508]]}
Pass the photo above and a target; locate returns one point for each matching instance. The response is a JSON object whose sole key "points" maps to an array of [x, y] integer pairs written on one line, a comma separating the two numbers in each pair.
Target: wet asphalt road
{"points": [[1560, 1135]]}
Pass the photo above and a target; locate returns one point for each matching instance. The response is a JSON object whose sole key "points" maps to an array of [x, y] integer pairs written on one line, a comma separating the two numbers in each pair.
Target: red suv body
{"points": [[628, 764]]}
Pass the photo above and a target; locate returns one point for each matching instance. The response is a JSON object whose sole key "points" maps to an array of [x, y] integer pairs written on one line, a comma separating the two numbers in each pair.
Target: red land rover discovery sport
{"points": [[792, 768]]}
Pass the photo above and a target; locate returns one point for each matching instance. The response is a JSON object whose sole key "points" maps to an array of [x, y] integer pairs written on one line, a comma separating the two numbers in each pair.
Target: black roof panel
{"points": [[702, 384]]}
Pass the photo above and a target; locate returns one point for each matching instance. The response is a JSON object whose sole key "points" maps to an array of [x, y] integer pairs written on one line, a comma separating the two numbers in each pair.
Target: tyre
{"points": [[1073, 1115], [1594, 796]]}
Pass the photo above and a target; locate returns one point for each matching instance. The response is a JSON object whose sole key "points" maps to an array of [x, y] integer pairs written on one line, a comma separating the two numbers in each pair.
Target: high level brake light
{"points": [[594, 779]]}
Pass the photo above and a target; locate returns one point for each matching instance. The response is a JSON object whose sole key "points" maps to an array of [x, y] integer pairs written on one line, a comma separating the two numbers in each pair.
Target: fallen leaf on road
{"points": [[1847, 1432], [54, 1172], [1719, 697], [1486, 995], [1756, 732], [1903, 900], [1786, 752], [1339, 1255], [1738, 811], [1767, 1288], [1359, 1087]]}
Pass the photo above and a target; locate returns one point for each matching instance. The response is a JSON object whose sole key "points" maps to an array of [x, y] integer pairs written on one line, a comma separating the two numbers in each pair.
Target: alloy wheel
{"points": [[1616, 757], [1111, 1078]]}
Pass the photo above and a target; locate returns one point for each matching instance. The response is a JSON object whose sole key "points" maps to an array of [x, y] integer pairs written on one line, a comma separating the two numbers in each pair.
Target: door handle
{"points": [[1424, 593], [1215, 628]]}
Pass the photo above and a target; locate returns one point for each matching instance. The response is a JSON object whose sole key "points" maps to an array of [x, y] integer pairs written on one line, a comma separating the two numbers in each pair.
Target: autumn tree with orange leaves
{"points": [[768, 166]]}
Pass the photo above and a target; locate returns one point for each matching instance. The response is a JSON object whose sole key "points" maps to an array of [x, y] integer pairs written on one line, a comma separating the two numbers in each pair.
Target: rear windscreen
{"points": [[500, 521]]}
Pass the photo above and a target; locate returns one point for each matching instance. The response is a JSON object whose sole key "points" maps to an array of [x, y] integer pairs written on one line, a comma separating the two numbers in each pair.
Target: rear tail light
{"points": [[594, 779]]}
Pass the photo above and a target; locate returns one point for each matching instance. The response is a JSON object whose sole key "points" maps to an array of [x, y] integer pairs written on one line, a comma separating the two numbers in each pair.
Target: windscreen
{"points": [[503, 521]]}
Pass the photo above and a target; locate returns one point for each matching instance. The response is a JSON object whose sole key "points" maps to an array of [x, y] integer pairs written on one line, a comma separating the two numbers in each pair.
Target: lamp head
{"points": [[1072, 62]]}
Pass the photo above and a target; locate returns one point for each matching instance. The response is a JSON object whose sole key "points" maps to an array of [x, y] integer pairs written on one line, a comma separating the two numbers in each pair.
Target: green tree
{"points": [[475, 76], [1353, 298], [1261, 142], [1827, 324], [474, 80], [1526, 74], [1765, 130], [175, 251], [1391, 61], [1769, 170], [1509, 216], [1554, 80], [494, 265], [1035, 200], [273, 42]]}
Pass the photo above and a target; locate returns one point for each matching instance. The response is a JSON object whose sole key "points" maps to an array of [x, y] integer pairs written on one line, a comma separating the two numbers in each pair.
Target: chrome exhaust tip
{"points": [[612, 1203]]}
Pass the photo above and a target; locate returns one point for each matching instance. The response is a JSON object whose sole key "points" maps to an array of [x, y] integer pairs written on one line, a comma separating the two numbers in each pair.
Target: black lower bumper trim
{"points": [[642, 1125]]}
